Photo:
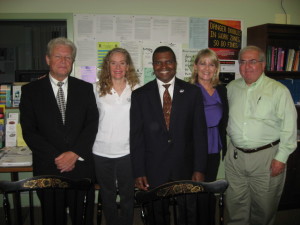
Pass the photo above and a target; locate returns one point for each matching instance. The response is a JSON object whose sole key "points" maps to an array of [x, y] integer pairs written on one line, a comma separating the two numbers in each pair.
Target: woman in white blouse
{"points": [[117, 79]]}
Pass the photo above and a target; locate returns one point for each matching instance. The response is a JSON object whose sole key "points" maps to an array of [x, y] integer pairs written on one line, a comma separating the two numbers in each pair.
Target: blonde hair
{"points": [[61, 41], [206, 53], [105, 82]]}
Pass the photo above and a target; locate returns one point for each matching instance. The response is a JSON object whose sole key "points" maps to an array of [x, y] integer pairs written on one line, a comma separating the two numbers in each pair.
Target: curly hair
{"points": [[104, 85], [206, 53]]}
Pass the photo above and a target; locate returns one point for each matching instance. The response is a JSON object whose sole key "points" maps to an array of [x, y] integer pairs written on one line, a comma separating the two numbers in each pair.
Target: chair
{"points": [[180, 201], [44, 186]]}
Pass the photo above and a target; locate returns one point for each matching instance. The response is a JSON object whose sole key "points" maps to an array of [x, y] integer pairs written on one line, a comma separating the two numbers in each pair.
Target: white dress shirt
{"points": [[162, 89], [54, 82]]}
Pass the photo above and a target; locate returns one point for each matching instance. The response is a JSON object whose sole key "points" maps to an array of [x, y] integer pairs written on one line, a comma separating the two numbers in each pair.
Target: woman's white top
{"points": [[112, 140]]}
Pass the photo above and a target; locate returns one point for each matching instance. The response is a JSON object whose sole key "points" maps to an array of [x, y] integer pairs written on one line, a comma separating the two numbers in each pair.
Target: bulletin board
{"points": [[95, 35]]}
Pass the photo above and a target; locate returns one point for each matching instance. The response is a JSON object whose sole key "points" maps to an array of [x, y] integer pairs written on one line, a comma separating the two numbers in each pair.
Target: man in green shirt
{"points": [[262, 128]]}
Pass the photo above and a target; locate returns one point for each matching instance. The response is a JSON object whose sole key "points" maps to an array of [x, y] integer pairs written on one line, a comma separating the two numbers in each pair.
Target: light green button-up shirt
{"points": [[260, 114]]}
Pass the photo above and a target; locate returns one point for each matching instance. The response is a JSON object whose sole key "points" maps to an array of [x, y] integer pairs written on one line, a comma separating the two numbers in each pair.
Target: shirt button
{"points": [[170, 141]]}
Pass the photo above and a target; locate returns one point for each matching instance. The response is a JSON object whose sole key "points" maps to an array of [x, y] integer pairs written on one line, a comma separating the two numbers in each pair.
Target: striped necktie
{"points": [[60, 97]]}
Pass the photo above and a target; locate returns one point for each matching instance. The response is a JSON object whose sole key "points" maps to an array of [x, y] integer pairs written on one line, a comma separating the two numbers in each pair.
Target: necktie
{"points": [[61, 101], [167, 105]]}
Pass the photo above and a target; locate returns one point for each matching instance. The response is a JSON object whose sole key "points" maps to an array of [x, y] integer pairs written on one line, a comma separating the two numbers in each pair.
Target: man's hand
{"points": [[142, 183], [197, 176], [277, 167], [66, 161]]}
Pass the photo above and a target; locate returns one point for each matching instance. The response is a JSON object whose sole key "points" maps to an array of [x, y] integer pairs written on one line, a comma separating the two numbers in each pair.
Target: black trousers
{"points": [[55, 206], [115, 175], [206, 202]]}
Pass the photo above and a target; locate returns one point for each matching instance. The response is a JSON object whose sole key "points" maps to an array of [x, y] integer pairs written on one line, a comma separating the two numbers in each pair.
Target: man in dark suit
{"points": [[61, 141], [160, 153]]}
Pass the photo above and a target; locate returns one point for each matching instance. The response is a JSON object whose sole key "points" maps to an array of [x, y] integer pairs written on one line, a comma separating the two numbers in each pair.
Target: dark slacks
{"points": [[55, 206], [207, 204], [115, 175]]}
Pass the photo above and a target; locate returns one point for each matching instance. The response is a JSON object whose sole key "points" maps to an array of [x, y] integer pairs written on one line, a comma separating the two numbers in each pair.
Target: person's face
{"points": [[206, 69], [250, 66], [118, 66], [60, 61], [164, 66]]}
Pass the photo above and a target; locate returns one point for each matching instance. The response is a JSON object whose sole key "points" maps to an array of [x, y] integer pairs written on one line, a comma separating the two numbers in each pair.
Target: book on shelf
{"points": [[283, 55], [5, 95], [296, 61], [290, 60], [16, 93], [280, 55], [2, 125], [268, 58], [275, 59], [272, 65]]}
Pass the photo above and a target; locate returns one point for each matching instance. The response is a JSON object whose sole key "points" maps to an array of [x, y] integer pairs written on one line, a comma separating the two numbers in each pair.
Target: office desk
{"points": [[14, 171], [15, 160]]}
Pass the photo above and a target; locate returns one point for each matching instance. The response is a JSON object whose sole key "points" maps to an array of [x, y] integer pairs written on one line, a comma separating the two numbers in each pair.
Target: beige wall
{"points": [[252, 12]]}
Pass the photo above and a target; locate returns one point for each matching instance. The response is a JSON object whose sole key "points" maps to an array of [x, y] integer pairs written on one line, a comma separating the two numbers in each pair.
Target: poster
{"points": [[225, 38], [103, 49]]}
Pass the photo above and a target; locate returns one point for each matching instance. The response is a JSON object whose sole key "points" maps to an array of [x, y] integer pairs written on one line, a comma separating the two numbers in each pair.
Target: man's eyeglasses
{"points": [[250, 62]]}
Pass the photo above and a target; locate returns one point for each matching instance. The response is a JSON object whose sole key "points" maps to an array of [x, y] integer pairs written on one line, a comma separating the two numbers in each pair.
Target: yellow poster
{"points": [[103, 48]]}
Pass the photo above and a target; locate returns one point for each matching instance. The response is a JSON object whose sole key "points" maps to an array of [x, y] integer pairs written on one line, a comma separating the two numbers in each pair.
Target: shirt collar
{"points": [[54, 81], [127, 86], [256, 83], [171, 82]]}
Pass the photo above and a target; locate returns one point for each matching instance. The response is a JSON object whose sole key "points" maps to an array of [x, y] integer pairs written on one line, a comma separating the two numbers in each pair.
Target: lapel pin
{"points": [[181, 90]]}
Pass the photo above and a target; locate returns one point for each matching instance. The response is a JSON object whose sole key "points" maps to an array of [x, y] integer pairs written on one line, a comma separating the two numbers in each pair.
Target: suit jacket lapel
{"points": [[49, 95], [156, 102], [176, 102], [71, 101], [49, 100]]}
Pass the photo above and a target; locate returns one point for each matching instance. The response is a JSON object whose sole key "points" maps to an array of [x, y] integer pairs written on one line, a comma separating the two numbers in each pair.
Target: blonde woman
{"points": [[206, 77], [117, 80]]}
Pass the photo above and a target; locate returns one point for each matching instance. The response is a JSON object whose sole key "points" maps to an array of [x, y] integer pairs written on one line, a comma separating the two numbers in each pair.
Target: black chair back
{"points": [[183, 203], [58, 189]]}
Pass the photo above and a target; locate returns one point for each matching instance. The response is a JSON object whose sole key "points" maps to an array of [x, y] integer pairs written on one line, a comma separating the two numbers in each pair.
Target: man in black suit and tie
{"points": [[167, 147], [59, 120]]}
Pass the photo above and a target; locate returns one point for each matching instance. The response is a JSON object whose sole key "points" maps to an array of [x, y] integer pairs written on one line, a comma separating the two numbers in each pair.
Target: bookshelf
{"points": [[277, 36]]}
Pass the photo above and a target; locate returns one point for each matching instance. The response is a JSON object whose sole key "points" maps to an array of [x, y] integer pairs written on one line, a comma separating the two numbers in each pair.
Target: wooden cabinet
{"points": [[291, 192], [276, 35], [283, 36]]}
